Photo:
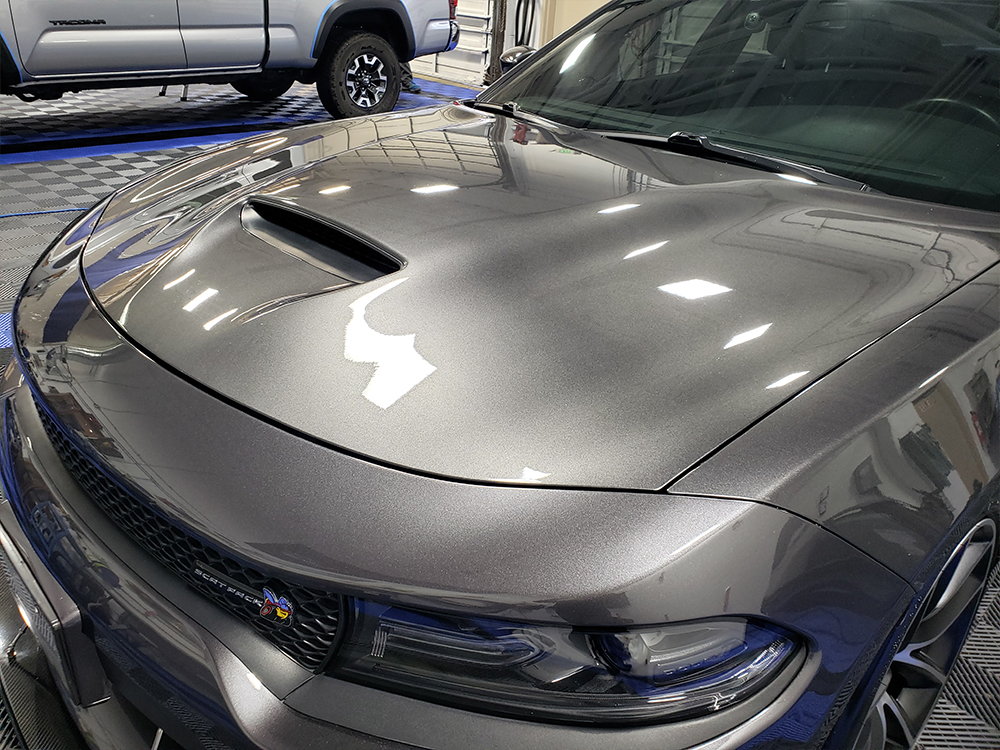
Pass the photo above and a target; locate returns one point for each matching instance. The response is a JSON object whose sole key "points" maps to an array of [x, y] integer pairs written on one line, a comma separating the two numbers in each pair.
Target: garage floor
{"points": [[58, 158]]}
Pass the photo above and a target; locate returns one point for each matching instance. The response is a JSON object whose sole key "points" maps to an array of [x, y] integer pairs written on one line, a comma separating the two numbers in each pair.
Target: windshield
{"points": [[901, 94]]}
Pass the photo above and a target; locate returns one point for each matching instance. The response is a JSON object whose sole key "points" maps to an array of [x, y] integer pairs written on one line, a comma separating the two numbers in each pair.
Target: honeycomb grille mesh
{"points": [[310, 637]]}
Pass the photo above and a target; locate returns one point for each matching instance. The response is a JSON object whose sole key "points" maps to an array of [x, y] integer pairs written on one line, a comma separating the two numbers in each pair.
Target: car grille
{"points": [[312, 634]]}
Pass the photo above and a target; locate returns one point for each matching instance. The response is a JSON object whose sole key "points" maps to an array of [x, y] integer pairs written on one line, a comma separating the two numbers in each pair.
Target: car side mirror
{"points": [[514, 56]]}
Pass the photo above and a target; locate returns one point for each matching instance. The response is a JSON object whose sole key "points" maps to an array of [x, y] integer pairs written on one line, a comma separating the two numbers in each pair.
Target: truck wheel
{"points": [[358, 75], [264, 87]]}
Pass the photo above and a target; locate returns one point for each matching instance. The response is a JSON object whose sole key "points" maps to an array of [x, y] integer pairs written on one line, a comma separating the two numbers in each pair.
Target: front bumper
{"points": [[147, 651], [153, 666]]}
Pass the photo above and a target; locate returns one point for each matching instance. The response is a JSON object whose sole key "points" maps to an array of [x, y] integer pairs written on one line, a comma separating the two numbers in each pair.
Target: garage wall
{"points": [[467, 63], [559, 15]]}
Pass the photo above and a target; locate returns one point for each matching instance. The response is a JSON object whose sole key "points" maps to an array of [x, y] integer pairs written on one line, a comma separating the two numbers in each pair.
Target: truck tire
{"points": [[264, 87], [358, 75]]}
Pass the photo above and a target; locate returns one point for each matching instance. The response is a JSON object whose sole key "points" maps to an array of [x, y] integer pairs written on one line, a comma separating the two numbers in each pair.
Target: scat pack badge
{"points": [[277, 609], [272, 607]]}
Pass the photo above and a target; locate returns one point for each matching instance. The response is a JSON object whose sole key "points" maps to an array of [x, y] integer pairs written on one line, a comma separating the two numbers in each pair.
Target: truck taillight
{"points": [[452, 8]]}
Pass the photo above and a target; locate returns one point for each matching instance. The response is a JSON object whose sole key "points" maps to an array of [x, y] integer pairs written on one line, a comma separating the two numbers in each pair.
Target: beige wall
{"points": [[559, 15]]}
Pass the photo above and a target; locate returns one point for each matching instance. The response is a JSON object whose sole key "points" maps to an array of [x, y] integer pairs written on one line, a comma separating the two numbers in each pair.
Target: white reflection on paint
{"points": [[200, 298], [742, 338], [334, 190], [577, 51], [431, 189], [175, 282], [616, 209], [254, 680], [527, 475], [796, 178], [644, 250], [934, 377], [215, 321], [694, 289], [788, 379], [398, 367], [263, 146]]}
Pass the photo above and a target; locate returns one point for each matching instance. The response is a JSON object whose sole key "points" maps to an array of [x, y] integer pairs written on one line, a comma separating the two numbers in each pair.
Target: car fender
{"points": [[896, 450]]}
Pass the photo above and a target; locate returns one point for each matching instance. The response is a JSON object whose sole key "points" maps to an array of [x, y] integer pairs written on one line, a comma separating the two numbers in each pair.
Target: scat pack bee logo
{"points": [[273, 608], [277, 609]]}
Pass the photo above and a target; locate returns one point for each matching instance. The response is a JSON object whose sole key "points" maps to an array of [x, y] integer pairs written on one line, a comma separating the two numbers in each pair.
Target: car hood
{"points": [[568, 310]]}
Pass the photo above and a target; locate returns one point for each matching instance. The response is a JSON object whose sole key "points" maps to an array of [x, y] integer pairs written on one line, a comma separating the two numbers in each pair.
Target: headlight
{"points": [[561, 674]]}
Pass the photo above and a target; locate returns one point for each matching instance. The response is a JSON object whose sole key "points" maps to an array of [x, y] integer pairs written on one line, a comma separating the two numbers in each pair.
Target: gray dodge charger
{"points": [[647, 401]]}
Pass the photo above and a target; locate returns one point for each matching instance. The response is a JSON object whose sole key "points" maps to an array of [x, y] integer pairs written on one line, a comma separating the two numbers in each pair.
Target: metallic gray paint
{"points": [[137, 34], [161, 405], [556, 562], [143, 39], [535, 330], [223, 33], [844, 460]]}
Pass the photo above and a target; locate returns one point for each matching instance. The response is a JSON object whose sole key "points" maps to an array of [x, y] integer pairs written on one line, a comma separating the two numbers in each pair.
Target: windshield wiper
{"points": [[695, 144], [512, 110]]}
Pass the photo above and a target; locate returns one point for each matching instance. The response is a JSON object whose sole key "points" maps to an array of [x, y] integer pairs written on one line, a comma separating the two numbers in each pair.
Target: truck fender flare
{"points": [[340, 8]]}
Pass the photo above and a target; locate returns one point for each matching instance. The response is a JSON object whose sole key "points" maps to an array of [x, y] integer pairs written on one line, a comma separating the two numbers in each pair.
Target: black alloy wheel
{"points": [[358, 75], [265, 86], [919, 669]]}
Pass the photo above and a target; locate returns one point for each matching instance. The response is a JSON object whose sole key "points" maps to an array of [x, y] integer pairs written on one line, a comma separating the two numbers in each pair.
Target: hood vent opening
{"points": [[317, 242]]}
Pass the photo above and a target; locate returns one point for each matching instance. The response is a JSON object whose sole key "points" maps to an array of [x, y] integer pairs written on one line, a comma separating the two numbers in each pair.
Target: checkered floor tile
{"points": [[967, 717], [24, 238], [74, 183], [109, 112]]}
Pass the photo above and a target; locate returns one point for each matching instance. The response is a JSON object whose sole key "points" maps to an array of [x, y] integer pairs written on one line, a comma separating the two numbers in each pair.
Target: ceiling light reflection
{"points": [[332, 190], [399, 368], [796, 178], [788, 379], [270, 143], [644, 250], [574, 55], [694, 289], [200, 298], [215, 321], [616, 209], [254, 680], [934, 377], [742, 338], [177, 281], [527, 475], [429, 189]]}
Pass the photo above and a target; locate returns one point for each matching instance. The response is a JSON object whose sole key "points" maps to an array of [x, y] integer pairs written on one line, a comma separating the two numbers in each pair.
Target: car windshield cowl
{"points": [[702, 146], [514, 111], [901, 95]]}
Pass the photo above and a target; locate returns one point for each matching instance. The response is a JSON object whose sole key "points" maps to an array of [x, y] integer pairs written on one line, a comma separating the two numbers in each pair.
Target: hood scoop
{"points": [[317, 241]]}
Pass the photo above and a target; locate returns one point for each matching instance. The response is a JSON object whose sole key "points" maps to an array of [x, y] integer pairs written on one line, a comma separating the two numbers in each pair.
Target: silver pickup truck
{"points": [[351, 49]]}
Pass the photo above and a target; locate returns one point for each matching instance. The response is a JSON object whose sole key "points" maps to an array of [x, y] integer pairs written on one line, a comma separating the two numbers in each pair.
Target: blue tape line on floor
{"points": [[36, 213], [14, 140], [134, 147]]}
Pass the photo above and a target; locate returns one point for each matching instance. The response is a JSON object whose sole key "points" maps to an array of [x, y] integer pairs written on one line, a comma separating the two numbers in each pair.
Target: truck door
{"points": [[222, 33], [57, 37]]}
